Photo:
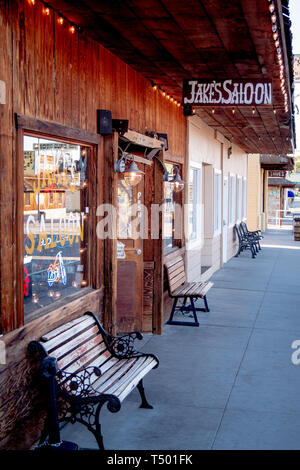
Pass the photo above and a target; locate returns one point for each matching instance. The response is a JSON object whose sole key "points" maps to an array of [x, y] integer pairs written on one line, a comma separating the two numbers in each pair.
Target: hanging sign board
{"points": [[297, 68], [231, 92], [277, 173]]}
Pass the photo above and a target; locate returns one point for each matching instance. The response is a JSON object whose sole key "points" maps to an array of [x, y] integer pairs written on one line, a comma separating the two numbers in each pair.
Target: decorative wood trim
{"points": [[141, 139], [173, 158], [52, 129], [149, 264], [142, 160]]}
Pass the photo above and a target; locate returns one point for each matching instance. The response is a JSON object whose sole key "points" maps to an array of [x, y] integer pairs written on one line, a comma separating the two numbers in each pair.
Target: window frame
{"points": [[217, 201], [43, 129], [239, 199], [245, 191], [179, 200], [232, 200], [198, 168]]}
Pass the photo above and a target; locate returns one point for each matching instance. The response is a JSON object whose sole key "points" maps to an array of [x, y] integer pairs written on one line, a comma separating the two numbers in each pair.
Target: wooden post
{"points": [[110, 154], [158, 251]]}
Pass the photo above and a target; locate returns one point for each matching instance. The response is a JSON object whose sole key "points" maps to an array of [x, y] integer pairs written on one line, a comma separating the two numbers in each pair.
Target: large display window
{"points": [[172, 237], [55, 216]]}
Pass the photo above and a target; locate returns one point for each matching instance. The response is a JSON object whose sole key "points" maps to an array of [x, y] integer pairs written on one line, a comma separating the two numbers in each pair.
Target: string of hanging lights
{"points": [[160, 90], [279, 54], [61, 19], [73, 28]]}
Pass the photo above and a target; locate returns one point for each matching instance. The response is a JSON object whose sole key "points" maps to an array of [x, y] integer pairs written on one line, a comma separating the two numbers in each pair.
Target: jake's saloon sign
{"points": [[227, 92]]}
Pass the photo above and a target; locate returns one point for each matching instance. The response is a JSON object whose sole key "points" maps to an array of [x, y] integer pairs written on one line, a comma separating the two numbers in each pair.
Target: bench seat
{"points": [[92, 367], [178, 288], [195, 289]]}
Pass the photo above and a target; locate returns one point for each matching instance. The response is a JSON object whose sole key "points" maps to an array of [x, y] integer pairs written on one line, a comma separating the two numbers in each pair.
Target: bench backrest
{"points": [[175, 273], [243, 228], [77, 344], [237, 229]]}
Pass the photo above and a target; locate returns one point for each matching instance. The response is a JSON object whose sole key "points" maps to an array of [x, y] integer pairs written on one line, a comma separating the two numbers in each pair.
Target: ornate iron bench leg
{"points": [[144, 403]]}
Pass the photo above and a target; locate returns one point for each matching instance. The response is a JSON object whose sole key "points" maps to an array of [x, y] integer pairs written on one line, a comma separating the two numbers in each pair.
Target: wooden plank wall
{"points": [[53, 75]]}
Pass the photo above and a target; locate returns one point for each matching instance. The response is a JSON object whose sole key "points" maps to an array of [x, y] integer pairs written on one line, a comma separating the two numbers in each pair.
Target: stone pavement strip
{"points": [[231, 383]]}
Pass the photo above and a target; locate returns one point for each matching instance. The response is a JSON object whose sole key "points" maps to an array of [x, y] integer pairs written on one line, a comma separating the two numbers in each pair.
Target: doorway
{"points": [[130, 279]]}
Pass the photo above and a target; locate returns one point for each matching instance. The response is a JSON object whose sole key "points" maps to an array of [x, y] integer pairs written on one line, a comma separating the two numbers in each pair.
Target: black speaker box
{"points": [[120, 125], [188, 110], [104, 122]]}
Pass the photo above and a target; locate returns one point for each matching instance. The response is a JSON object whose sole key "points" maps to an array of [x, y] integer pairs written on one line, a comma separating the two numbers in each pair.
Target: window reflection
{"points": [[170, 199], [55, 211]]}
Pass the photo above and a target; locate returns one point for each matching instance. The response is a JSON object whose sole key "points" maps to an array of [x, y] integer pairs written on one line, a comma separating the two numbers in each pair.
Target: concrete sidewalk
{"points": [[229, 384]]}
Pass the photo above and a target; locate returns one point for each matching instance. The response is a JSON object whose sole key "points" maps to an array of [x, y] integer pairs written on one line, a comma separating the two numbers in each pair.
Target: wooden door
{"points": [[129, 256]]}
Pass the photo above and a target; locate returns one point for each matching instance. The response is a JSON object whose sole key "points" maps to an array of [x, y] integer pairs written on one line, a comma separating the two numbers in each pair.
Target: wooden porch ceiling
{"points": [[169, 40]]}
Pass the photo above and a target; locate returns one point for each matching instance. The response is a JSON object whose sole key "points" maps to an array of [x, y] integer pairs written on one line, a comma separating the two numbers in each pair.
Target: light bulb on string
{"points": [[271, 7]]}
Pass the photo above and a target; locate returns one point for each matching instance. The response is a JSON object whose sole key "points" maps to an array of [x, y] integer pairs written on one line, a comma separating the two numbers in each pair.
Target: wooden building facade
{"points": [[55, 81]]}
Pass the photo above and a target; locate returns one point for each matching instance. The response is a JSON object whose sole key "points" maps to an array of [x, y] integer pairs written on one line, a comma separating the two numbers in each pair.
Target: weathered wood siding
{"points": [[54, 75]]}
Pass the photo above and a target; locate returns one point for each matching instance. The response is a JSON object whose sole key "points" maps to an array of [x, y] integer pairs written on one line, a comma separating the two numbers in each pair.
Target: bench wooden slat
{"points": [[196, 288], [175, 286], [136, 380], [176, 267], [206, 288], [77, 358], [74, 343], [175, 274], [135, 370], [182, 290], [111, 376], [51, 334], [180, 279], [118, 386], [104, 362], [171, 263], [68, 334]]}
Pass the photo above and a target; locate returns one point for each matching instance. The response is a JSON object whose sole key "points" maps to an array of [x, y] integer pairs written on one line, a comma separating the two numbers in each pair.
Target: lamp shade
{"points": [[133, 175], [177, 182]]}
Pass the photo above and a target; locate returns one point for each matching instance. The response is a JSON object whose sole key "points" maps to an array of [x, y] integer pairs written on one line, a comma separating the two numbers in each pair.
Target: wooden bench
{"points": [[85, 368], [254, 235], [245, 243], [179, 288]]}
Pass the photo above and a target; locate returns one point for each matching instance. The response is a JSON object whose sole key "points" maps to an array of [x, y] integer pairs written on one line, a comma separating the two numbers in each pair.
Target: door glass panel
{"points": [[125, 201]]}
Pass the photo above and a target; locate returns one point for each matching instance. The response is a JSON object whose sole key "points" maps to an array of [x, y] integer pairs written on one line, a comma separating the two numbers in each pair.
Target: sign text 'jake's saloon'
{"points": [[227, 92]]}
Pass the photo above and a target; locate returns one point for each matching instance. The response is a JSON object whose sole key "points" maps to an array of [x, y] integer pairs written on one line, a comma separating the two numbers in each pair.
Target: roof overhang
{"points": [[276, 162], [170, 40], [281, 182]]}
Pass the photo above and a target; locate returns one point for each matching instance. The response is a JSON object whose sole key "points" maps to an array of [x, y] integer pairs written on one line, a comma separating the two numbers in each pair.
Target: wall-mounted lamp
{"points": [[229, 151], [132, 176], [176, 182]]}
